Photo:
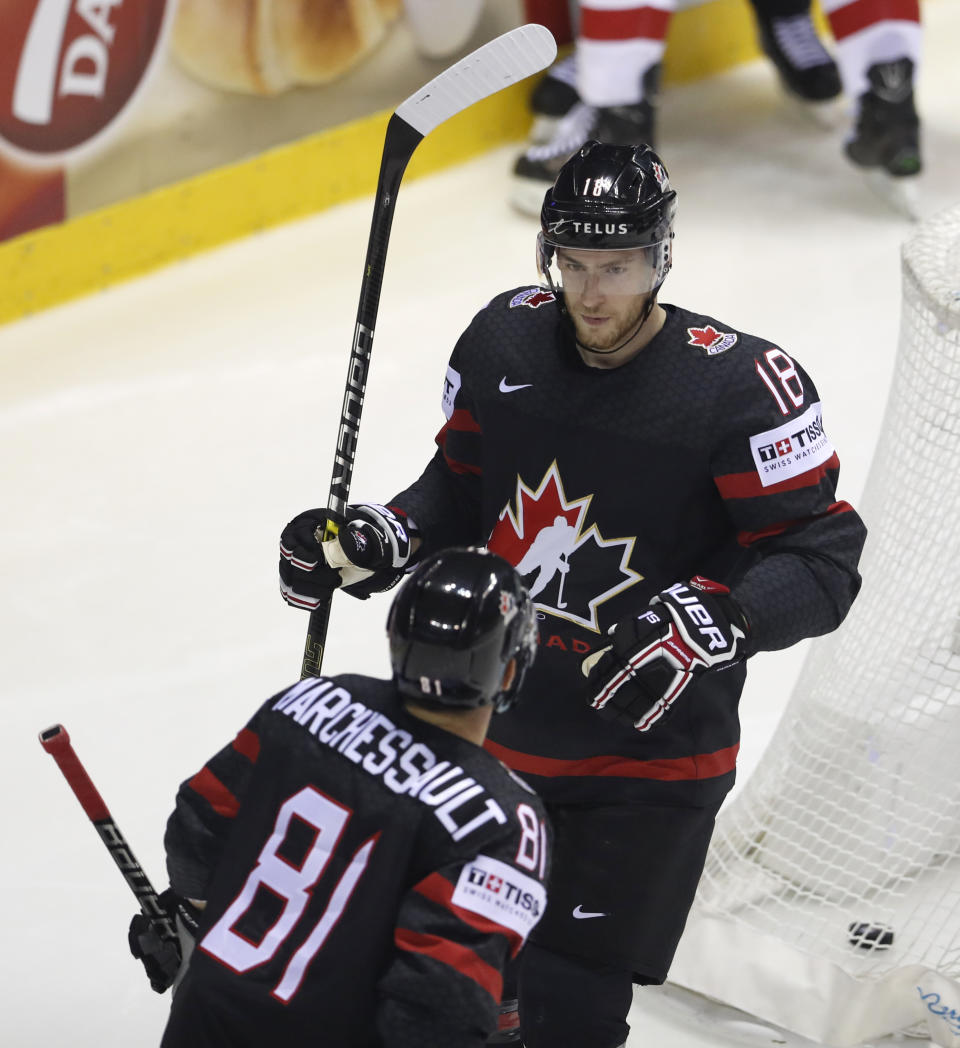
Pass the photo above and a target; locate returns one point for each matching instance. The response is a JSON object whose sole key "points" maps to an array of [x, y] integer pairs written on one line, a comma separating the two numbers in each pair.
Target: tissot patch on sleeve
{"points": [[497, 891], [451, 387], [791, 449]]}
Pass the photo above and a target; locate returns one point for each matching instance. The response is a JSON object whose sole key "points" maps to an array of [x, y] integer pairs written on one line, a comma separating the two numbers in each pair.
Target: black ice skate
{"points": [[886, 134], [553, 98], [537, 167], [804, 65]]}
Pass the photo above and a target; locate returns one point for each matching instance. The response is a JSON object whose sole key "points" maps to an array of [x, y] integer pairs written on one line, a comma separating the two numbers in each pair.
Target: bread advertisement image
{"points": [[264, 47], [102, 101]]}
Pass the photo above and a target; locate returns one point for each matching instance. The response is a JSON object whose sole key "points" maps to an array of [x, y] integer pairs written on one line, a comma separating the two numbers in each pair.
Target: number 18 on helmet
{"points": [[608, 198]]}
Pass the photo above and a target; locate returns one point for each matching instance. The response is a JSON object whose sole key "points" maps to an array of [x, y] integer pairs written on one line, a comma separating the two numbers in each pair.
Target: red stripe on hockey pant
{"points": [[697, 766], [247, 743], [554, 14], [438, 889], [453, 955], [647, 23], [861, 14], [215, 793], [748, 486]]}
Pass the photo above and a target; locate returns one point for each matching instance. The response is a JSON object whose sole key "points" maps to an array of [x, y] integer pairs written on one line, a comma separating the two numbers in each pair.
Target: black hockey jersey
{"points": [[367, 876], [705, 454]]}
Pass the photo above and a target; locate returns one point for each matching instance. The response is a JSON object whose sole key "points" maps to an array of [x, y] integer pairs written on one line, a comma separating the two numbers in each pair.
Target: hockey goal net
{"points": [[830, 902]]}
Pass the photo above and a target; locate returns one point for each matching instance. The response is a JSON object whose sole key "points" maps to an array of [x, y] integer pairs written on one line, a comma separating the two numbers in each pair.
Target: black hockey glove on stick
{"points": [[368, 554], [163, 958], [56, 742], [506, 60], [688, 629]]}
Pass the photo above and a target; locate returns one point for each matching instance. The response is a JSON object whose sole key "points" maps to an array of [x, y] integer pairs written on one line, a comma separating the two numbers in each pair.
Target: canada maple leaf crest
{"points": [[569, 568], [534, 297], [711, 340]]}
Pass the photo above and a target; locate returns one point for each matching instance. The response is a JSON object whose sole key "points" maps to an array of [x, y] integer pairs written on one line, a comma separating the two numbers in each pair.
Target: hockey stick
{"points": [[56, 742], [503, 61]]}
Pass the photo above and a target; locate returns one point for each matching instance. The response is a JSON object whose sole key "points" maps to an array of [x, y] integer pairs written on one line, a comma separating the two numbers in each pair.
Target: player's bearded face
{"points": [[605, 292]]}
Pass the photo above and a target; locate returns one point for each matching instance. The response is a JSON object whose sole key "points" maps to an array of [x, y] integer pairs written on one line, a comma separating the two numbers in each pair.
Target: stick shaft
{"points": [[400, 142], [496, 65], [57, 743]]}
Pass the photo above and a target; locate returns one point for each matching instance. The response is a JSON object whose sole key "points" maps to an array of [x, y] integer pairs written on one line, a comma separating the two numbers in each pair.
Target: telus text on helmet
{"points": [[567, 225]]}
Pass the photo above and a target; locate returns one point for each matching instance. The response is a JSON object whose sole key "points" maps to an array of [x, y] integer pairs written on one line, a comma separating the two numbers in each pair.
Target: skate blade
{"points": [[526, 195], [828, 115], [542, 129], [900, 194]]}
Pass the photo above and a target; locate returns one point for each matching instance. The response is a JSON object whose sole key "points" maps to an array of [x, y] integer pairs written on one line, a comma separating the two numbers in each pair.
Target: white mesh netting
{"points": [[853, 813]]}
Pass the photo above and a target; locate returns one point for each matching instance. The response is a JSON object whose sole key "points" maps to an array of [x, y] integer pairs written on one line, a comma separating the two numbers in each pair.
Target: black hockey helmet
{"points": [[454, 626], [610, 198]]}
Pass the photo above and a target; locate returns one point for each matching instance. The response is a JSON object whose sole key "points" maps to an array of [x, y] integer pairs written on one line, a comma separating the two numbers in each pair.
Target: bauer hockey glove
{"points": [[688, 629], [369, 554], [163, 958]]}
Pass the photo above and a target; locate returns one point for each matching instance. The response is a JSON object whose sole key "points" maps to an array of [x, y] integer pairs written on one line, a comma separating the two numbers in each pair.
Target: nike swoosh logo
{"points": [[582, 914], [505, 387]]}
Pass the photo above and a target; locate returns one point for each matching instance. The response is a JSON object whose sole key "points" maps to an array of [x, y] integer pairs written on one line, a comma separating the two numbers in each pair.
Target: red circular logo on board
{"points": [[68, 68]]}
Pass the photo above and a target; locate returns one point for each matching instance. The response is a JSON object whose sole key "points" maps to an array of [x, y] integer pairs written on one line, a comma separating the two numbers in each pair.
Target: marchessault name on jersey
{"points": [[374, 743]]}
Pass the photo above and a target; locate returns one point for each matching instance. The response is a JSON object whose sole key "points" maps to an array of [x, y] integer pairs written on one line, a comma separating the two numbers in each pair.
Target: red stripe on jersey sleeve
{"points": [[215, 793], [851, 18], [461, 467], [439, 889], [461, 958], [747, 485], [748, 538], [247, 743], [696, 766], [649, 23], [462, 421]]}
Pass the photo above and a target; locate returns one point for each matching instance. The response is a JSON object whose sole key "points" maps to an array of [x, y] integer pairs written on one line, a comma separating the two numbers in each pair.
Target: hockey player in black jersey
{"points": [[366, 868], [667, 487]]}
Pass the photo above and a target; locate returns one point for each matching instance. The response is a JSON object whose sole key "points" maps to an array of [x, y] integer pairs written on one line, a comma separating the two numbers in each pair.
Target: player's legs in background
{"points": [[508, 1017], [567, 1002], [553, 97], [615, 76], [878, 45], [789, 39]]}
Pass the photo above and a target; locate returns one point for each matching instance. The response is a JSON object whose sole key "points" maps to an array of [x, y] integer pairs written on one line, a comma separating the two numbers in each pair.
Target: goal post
{"points": [[830, 901]]}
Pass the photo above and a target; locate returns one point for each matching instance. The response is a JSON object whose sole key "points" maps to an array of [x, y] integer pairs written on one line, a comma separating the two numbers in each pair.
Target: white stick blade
{"points": [[503, 61]]}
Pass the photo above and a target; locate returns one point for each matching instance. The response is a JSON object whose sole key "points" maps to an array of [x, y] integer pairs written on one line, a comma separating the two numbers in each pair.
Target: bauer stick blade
{"points": [[500, 63]]}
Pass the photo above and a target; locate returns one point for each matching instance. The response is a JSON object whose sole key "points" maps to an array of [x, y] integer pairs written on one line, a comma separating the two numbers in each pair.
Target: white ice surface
{"points": [[154, 438]]}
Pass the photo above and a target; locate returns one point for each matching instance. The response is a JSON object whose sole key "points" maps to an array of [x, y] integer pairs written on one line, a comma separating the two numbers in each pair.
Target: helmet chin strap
{"points": [[651, 302]]}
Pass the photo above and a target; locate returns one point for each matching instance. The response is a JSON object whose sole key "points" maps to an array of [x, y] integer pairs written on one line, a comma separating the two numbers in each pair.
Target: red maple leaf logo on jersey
{"points": [[705, 336], [710, 339], [536, 510], [546, 538], [533, 297]]}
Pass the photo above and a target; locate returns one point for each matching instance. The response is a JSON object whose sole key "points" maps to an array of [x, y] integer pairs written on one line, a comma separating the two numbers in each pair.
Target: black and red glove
{"points": [[688, 629], [162, 957], [370, 553]]}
